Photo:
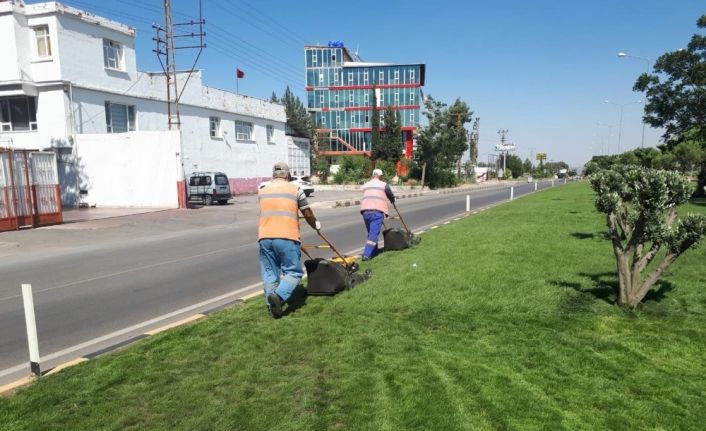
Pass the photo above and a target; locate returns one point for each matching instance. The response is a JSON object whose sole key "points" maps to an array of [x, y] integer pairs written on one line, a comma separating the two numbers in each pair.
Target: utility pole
{"points": [[474, 137], [532, 155], [165, 50], [504, 149], [192, 33]]}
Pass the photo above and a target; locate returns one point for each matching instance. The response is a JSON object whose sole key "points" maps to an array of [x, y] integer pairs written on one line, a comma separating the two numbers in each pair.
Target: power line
{"points": [[278, 25]]}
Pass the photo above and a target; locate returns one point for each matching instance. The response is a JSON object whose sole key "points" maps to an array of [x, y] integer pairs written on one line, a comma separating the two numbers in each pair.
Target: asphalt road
{"points": [[94, 296]]}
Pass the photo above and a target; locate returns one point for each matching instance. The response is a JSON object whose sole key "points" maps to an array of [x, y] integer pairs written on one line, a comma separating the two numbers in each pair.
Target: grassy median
{"points": [[506, 321]]}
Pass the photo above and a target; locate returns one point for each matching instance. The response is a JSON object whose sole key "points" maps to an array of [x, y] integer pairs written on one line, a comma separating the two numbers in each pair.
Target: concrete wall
{"points": [[137, 169]]}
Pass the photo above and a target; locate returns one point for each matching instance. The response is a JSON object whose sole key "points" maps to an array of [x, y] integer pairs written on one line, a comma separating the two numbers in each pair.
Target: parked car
{"points": [[302, 181], [209, 187]]}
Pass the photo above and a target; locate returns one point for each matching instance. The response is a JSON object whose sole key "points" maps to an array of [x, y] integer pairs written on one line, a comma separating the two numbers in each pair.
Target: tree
{"points": [[688, 155], [641, 213], [273, 97], [527, 166], [678, 103], [442, 142], [390, 145], [513, 164], [297, 116], [374, 121]]}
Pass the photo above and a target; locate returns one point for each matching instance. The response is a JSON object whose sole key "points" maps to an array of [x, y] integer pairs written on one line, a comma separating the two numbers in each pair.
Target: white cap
{"points": [[377, 172]]}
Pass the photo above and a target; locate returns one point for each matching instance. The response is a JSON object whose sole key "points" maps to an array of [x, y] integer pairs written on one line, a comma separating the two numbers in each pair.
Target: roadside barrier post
{"points": [[512, 192], [468, 203], [535, 186], [552, 183], [30, 321], [564, 180]]}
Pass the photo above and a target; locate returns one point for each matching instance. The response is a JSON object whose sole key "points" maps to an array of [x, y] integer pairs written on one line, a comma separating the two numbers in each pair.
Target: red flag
{"points": [[239, 73]]}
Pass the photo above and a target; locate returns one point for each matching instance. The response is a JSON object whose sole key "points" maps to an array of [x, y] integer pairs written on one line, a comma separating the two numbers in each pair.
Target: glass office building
{"points": [[340, 93]]}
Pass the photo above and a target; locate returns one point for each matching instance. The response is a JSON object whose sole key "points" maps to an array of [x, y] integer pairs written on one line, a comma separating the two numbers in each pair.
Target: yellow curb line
{"points": [[10, 387], [251, 296], [66, 365], [193, 318]]}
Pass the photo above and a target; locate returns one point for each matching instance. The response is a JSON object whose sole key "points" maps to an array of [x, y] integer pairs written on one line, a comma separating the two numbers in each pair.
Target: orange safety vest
{"points": [[279, 211], [374, 197]]}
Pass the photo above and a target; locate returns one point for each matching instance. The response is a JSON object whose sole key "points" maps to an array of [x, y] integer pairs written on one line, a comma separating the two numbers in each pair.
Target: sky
{"points": [[541, 69]]}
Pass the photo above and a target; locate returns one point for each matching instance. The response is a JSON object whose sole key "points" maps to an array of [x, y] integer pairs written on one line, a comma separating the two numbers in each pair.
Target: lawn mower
{"points": [[396, 238], [326, 277]]}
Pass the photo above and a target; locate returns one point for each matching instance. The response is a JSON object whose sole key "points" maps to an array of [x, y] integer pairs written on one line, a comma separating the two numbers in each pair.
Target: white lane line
{"points": [[129, 329], [127, 271]]}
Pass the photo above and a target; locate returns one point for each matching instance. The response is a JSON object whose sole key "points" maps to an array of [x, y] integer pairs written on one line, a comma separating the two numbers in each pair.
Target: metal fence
{"points": [[30, 195]]}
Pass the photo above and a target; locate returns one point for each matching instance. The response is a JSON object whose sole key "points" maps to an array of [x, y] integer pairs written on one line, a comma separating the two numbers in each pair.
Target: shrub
{"points": [[352, 170]]}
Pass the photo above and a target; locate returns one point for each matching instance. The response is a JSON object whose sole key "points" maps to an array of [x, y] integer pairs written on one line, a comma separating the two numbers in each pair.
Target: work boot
{"points": [[275, 305]]}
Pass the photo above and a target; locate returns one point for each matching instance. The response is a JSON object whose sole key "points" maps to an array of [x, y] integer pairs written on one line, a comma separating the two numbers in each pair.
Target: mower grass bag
{"points": [[396, 239]]}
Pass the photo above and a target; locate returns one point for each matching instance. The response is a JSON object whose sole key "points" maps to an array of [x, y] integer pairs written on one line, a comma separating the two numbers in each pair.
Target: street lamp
{"points": [[620, 124], [605, 149], [648, 63]]}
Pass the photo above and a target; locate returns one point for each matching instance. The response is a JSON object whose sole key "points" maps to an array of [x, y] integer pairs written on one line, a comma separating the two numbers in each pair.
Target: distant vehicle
{"points": [[562, 173], [303, 182], [209, 187]]}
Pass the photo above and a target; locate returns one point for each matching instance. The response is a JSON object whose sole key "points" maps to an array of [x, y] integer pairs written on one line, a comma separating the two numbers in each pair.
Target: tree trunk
{"points": [[624, 278]]}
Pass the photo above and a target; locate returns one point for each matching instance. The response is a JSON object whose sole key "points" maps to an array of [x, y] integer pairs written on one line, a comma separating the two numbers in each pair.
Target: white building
{"points": [[75, 73]]}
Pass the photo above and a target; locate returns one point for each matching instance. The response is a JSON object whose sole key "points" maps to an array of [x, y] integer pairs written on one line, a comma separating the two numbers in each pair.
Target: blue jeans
{"points": [[280, 266], [373, 224]]}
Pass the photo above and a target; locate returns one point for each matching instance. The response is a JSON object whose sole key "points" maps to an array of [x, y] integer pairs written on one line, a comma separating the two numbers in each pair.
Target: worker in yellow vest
{"points": [[374, 209], [278, 234]]}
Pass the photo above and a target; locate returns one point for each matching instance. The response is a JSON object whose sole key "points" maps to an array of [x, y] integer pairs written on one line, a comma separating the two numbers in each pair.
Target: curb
{"points": [[356, 201], [12, 387]]}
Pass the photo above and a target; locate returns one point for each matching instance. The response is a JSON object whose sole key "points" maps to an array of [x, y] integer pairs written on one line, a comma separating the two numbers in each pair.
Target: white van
{"points": [[208, 187]]}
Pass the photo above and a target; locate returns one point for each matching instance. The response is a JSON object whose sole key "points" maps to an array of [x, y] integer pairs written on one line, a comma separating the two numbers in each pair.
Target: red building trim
{"points": [[382, 129], [370, 87], [381, 108]]}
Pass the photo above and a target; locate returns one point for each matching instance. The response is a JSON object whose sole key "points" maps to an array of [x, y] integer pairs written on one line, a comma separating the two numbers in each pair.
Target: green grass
{"points": [[506, 322]]}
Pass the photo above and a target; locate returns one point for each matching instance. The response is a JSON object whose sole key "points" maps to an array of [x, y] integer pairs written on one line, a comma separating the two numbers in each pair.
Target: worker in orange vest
{"points": [[278, 235], [374, 209]]}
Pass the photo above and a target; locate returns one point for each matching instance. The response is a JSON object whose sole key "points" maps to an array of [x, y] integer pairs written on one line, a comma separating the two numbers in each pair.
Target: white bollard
{"points": [[564, 180], [535, 186], [468, 203], [512, 193], [552, 183], [31, 329]]}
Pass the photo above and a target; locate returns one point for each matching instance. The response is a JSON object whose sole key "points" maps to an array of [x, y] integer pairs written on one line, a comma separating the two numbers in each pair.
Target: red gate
{"points": [[30, 195]]}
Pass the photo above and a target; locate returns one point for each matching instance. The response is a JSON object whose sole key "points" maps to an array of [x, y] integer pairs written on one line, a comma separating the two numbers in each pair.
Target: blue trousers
{"points": [[373, 224], [280, 266]]}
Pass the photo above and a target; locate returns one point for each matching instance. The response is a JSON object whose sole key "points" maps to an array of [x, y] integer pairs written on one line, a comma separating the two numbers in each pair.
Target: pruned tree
{"points": [[641, 212]]}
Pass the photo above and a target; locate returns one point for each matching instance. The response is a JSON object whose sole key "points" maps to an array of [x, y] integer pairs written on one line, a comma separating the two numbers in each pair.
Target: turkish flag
{"points": [[239, 73]]}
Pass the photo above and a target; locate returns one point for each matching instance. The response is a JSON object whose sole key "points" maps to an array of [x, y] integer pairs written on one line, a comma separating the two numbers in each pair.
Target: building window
{"points": [[119, 118], [365, 77], [18, 114], [411, 96], [215, 127], [411, 117], [397, 97], [335, 98], [397, 76], [41, 35], [411, 76], [338, 119], [366, 99], [367, 118], [350, 97], [112, 54], [335, 77], [313, 57], [382, 77], [333, 57], [321, 99], [243, 131], [321, 78], [323, 120], [270, 133], [350, 78]]}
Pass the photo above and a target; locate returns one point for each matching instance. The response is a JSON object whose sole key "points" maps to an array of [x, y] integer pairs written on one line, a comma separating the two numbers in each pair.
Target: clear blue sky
{"points": [[541, 69]]}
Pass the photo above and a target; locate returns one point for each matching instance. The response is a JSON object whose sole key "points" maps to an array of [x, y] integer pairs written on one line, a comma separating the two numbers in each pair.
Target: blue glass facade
{"points": [[340, 96]]}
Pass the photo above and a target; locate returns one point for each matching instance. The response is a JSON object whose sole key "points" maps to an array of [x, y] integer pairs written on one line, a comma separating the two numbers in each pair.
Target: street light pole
{"points": [[620, 124], [648, 62]]}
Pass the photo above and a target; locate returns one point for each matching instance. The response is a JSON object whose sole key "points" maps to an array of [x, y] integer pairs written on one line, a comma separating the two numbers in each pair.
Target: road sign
{"points": [[541, 156]]}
